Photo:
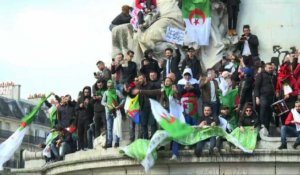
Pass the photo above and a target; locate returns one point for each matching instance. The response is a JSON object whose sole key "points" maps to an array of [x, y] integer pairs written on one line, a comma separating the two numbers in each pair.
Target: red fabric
{"points": [[289, 119], [285, 73], [189, 94], [139, 6], [297, 75]]}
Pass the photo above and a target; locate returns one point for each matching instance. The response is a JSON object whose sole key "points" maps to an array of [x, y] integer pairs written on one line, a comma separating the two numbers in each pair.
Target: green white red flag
{"points": [[197, 17], [10, 145]]}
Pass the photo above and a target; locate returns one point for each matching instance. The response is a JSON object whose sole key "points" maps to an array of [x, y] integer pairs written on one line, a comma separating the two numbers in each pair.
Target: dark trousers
{"points": [[233, 11], [100, 122], [82, 127], [132, 126], [147, 119], [200, 145], [265, 110]]}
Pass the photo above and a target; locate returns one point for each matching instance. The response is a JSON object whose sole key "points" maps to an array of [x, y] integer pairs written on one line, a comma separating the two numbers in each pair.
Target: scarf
{"points": [[112, 98], [168, 91]]}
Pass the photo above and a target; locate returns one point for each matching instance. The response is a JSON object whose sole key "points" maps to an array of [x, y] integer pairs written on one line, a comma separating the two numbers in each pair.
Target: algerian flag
{"points": [[10, 145], [183, 134], [53, 115], [197, 17]]}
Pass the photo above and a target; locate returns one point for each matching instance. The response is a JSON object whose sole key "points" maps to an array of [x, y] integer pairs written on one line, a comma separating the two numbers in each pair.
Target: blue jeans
{"points": [[289, 131], [110, 125]]}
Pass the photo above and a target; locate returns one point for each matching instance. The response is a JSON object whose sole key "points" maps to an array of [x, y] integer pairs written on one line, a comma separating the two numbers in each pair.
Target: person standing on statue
{"points": [[170, 63], [264, 93], [248, 45], [233, 10], [149, 64]]}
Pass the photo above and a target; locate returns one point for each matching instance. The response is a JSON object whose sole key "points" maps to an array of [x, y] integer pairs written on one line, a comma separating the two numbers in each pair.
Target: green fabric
{"points": [[100, 92], [229, 101], [112, 97], [32, 115], [248, 138], [190, 5], [53, 117], [53, 135], [168, 91], [175, 128], [138, 149]]}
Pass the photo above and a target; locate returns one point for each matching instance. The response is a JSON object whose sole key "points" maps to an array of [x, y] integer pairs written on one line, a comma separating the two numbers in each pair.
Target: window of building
{"points": [[7, 126]]}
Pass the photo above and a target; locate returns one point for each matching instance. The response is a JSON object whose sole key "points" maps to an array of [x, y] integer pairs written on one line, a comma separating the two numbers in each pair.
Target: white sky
{"points": [[53, 45]]}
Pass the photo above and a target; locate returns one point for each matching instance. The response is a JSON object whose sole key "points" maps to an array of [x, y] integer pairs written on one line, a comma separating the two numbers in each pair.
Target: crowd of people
{"points": [[260, 85]]}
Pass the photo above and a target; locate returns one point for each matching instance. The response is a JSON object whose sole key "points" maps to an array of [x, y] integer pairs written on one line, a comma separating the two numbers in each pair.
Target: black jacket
{"points": [[87, 111], [121, 19], [174, 62], [253, 44], [194, 64], [210, 119], [152, 66], [265, 84], [249, 121]]}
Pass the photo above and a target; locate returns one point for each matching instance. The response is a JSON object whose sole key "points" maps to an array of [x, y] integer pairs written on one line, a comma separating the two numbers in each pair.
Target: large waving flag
{"points": [[184, 134], [10, 145], [132, 106], [197, 17], [53, 115], [229, 100]]}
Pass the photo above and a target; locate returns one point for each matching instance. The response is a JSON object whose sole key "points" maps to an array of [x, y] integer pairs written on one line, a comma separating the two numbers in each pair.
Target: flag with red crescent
{"points": [[197, 17]]}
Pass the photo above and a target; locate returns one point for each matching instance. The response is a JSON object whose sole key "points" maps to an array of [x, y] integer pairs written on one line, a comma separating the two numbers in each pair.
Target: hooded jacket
{"points": [[85, 112], [181, 83]]}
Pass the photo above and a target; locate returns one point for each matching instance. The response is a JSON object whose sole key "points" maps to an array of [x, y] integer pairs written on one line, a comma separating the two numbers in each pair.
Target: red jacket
{"points": [[285, 73], [289, 119]]}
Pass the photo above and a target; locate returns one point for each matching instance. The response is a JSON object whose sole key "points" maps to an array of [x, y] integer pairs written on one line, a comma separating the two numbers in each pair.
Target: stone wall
{"points": [[266, 159]]}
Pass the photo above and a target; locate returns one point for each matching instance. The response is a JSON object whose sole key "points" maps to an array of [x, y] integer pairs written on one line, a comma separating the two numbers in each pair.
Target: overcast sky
{"points": [[53, 45]]}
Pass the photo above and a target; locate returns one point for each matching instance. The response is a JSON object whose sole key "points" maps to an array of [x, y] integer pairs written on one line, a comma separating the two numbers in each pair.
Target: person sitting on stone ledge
{"points": [[291, 127], [123, 18], [248, 117], [207, 120], [224, 118], [65, 143]]}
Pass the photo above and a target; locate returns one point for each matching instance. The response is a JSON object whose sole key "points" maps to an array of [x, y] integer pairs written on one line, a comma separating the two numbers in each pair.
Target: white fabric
{"points": [[213, 97], [296, 117], [176, 109], [191, 81], [168, 67], [224, 123], [287, 89], [246, 50], [10, 145], [224, 85], [198, 33], [230, 66], [117, 127]]}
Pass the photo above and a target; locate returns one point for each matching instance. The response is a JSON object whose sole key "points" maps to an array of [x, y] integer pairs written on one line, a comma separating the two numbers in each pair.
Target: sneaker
{"points": [[116, 145], [295, 145], [107, 146], [174, 158], [282, 146]]}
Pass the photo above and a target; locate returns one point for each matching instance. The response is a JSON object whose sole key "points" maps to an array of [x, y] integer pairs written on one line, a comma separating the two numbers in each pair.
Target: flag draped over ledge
{"points": [[184, 134], [10, 145], [197, 18]]}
